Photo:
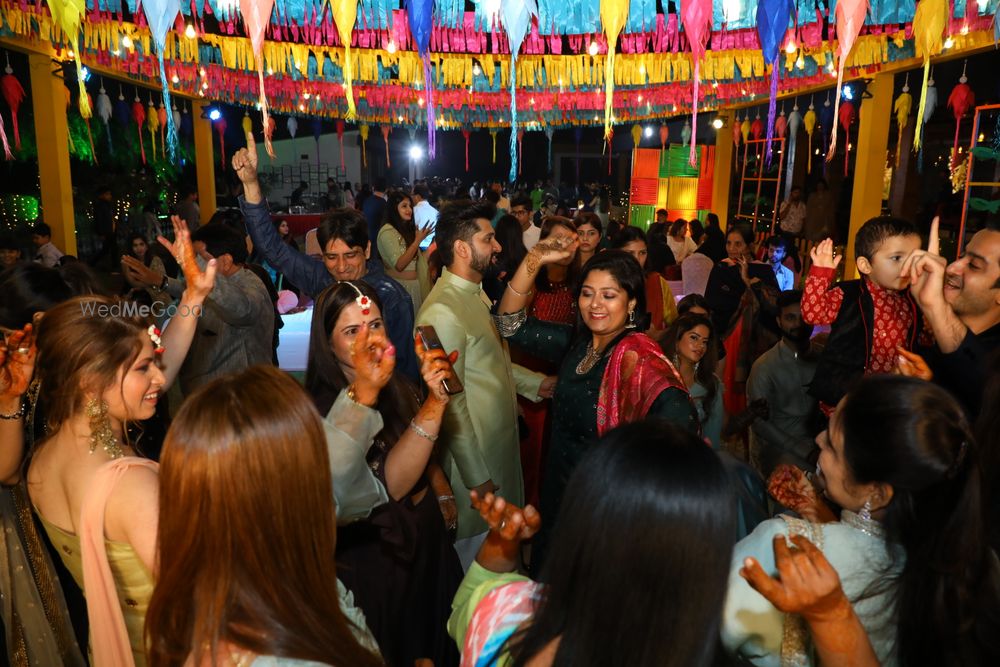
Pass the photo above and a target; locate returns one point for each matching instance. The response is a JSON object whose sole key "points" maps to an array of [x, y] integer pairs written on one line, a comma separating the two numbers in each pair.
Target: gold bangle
{"points": [[521, 294]]}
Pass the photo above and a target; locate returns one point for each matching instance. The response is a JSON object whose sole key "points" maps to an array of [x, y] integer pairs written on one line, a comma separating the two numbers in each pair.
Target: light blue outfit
{"points": [[755, 630], [711, 429]]}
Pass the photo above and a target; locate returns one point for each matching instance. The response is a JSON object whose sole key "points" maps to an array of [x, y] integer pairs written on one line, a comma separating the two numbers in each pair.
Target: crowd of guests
{"points": [[520, 439]]}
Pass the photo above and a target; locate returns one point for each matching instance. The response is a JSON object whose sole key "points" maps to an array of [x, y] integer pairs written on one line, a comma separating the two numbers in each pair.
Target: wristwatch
{"points": [[163, 283]]}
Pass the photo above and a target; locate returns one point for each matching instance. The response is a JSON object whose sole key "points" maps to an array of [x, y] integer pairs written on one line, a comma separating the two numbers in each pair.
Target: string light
{"points": [[593, 49], [948, 43], [126, 41], [790, 48], [190, 32], [391, 46]]}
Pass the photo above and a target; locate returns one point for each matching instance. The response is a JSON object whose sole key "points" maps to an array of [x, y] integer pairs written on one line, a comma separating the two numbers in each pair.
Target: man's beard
{"points": [[799, 336], [481, 263]]}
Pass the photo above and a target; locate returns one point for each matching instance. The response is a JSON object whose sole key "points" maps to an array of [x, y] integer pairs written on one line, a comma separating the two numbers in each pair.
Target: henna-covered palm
{"points": [[553, 249], [199, 283], [17, 362]]}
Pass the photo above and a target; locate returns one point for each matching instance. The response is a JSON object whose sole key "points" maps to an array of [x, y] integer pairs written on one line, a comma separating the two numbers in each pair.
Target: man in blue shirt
{"points": [[343, 236]]}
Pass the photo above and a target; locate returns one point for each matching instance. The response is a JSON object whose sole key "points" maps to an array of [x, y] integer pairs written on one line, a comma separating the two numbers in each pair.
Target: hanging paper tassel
{"points": [[345, 15], [696, 16], [827, 122], [162, 114], [493, 134], [139, 115], [8, 155], [846, 118], [363, 130], [772, 24], [610, 136], [466, 134], [745, 132], [178, 119], [256, 15], [420, 14], [929, 23], [930, 97], [152, 124], [549, 132], [794, 123], [902, 108], [636, 135], [339, 125], [90, 136], [686, 133], [220, 127], [385, 137], [68, 14], [737, 132], [781, 124], [614, 14], [515, 17], [757, 128], [850, 20], [13, 94], [104, 112], [961, 100], [160, 16], [809, 122], [664, 135]]}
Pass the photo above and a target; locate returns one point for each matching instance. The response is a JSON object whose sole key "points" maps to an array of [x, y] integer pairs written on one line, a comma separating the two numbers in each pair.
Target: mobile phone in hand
{"points": [[429, 338]]}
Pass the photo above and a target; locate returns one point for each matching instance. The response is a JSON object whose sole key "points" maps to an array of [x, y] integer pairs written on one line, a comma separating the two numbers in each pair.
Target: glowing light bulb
{"points": [[190, 32], [71, 54], [204, 86], [790, 47], [647, 131], [964, 30], [532, 100], [126, 41], [306, 95], [391, 46], [948, 43], [717, 123], [800, 63], [302, 107], [420, 101], [175, 79], [202, 71], [715, 84], [400, 119], [642, 69], [593, 49], [476, 69], [640, 98]]}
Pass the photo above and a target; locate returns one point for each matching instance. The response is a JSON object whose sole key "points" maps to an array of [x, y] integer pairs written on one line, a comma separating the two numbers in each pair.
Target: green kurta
{"points": [[479, 437], [574, 411]]}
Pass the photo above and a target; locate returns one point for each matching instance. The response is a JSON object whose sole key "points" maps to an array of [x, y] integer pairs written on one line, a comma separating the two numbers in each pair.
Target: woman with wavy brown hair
{"points": [[247, 533]]}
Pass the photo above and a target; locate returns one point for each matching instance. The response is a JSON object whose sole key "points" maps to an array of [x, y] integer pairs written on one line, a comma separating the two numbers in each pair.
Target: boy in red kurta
{"points": [[870, 317]]}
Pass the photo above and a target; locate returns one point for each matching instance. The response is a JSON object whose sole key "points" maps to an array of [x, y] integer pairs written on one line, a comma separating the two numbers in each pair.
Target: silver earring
{"points": [[866, 511]]}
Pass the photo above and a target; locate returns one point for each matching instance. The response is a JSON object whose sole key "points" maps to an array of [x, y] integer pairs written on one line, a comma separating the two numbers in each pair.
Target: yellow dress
{"points": [[133, 581]]}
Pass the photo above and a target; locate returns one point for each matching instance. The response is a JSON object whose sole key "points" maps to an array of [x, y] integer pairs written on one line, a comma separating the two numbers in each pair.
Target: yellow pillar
{"points": [[869, 167], [48, 102], [722, 177], [204, 164]]}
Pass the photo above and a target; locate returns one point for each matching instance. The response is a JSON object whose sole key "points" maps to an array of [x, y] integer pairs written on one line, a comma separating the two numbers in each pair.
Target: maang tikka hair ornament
{"points": [[364, 303], [154, 335]]}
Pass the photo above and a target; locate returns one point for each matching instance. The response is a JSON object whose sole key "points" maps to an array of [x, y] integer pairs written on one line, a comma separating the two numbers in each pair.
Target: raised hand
{"points": [[245, 161], [140, 272], [823, 256], [435, 368], [507, 521], [423, 232], [806, 584], [553, 249], [198, 283], [374, 359], [17, 362]]}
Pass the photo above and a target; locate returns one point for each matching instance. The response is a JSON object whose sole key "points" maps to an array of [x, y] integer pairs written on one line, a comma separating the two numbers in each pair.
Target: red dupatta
{"points": [[636, 375]]}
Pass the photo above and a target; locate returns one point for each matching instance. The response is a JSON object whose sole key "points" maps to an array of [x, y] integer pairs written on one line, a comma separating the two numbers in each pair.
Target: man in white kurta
{"points": [[479, 436]]}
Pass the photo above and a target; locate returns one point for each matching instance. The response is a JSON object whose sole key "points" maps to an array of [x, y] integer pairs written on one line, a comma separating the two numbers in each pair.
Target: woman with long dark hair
{"points": [[399, 562], [247, 532], [690, 343], [97, 371], [139, 249], [399, 242], [610, 372], [900, 461], [659, 297], [510, 236], [742, 294], [649, 499], [590, 231]]}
